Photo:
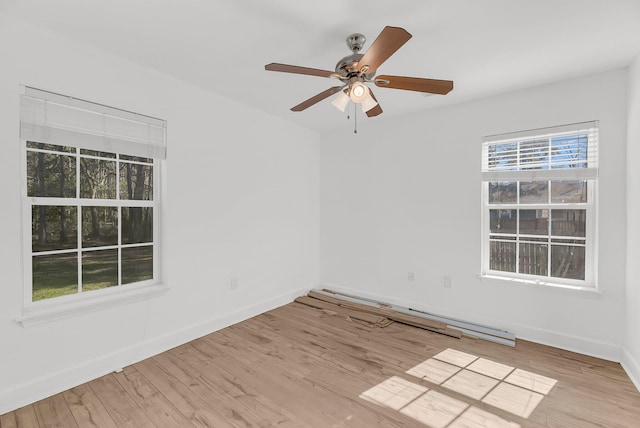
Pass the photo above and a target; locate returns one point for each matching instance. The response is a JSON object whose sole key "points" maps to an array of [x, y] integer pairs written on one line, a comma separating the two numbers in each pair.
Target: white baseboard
{"points": [[21, 395], [631, 366], [582, 345]]}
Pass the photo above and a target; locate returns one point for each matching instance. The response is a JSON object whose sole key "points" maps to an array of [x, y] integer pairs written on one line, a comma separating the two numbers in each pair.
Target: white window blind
{"points": [[52, 118], [562, 152]]}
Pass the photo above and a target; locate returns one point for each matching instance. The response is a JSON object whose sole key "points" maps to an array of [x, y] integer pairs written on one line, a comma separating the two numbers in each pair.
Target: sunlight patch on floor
{"points": [[457, 358], [394, 392], [532, 381], [510, 389], [478, 418], [513, 399], [434, 409], [490, 368], [433, 371], [471, 384]]}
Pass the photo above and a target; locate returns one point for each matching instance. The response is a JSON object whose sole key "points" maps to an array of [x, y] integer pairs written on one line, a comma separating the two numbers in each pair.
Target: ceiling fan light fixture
{"points": [[358, 92], [341, 101]]}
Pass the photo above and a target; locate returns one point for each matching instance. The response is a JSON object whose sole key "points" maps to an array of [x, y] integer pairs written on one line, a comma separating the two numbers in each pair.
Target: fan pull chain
{"points": [[355, 119]]}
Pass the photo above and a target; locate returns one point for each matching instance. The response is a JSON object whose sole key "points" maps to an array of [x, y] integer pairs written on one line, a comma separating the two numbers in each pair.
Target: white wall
{"points": [[405, 195], [631, 349], [241, 200]]}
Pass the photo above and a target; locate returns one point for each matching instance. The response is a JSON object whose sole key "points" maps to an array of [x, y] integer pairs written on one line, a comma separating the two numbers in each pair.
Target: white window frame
{"points": [[60, 120], [493, 173]]}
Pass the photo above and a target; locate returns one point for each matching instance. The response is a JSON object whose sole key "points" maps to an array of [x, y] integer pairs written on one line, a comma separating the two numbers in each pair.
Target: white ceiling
{"points": [[485, 46]]}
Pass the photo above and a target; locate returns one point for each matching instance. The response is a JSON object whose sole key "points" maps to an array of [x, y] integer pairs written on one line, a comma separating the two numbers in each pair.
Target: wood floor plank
{"points": [[199, 413], [209, 393], [86, 408], [24, 417], [123, 410], [244, 388], [279, 386], [257, 407], [156, 406], [54, 412]]}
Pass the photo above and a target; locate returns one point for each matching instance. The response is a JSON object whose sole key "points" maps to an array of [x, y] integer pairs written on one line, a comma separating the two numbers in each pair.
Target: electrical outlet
{"points": [[233, 284], [446, 281], [411, 276]]}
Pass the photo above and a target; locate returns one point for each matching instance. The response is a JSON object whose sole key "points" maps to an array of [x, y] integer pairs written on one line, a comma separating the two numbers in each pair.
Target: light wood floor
{"points": [[300, 367]]}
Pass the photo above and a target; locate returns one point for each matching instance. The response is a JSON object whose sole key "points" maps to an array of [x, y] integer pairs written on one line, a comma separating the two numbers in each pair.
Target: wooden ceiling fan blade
{"points": [[316, 98], [295, 69], [432, 86], [377, 109], [385, 45]]}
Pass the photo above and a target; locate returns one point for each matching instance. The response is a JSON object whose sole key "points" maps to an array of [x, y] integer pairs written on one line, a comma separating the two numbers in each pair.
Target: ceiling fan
{"points": [[357, 69]]}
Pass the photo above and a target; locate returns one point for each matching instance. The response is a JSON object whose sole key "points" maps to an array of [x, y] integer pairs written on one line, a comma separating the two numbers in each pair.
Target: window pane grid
{"points": [[98, 258], [536, 254]]}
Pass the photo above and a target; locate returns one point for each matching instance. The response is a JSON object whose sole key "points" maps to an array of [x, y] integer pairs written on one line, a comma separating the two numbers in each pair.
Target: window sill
{"points": [[543, 284], [36, 315]]}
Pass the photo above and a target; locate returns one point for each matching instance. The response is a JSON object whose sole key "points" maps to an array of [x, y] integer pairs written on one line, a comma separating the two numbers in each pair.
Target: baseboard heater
{"points": [[466, 328]]}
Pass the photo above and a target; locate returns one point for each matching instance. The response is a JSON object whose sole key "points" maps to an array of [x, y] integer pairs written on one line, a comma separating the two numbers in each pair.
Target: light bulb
{"points": [[358, 92]]}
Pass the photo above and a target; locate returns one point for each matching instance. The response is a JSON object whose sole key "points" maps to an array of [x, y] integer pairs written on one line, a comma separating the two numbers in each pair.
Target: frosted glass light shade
{"points": [[341, 101], [368, 102]]}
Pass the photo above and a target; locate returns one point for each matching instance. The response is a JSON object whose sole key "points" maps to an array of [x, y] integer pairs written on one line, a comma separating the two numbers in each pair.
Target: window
{"points": [[539, 199], [108, 198], [91, 197]]}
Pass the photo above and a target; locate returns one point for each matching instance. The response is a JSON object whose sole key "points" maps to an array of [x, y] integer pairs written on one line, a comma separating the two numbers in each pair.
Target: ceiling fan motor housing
{"points": [[347, 65]]}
